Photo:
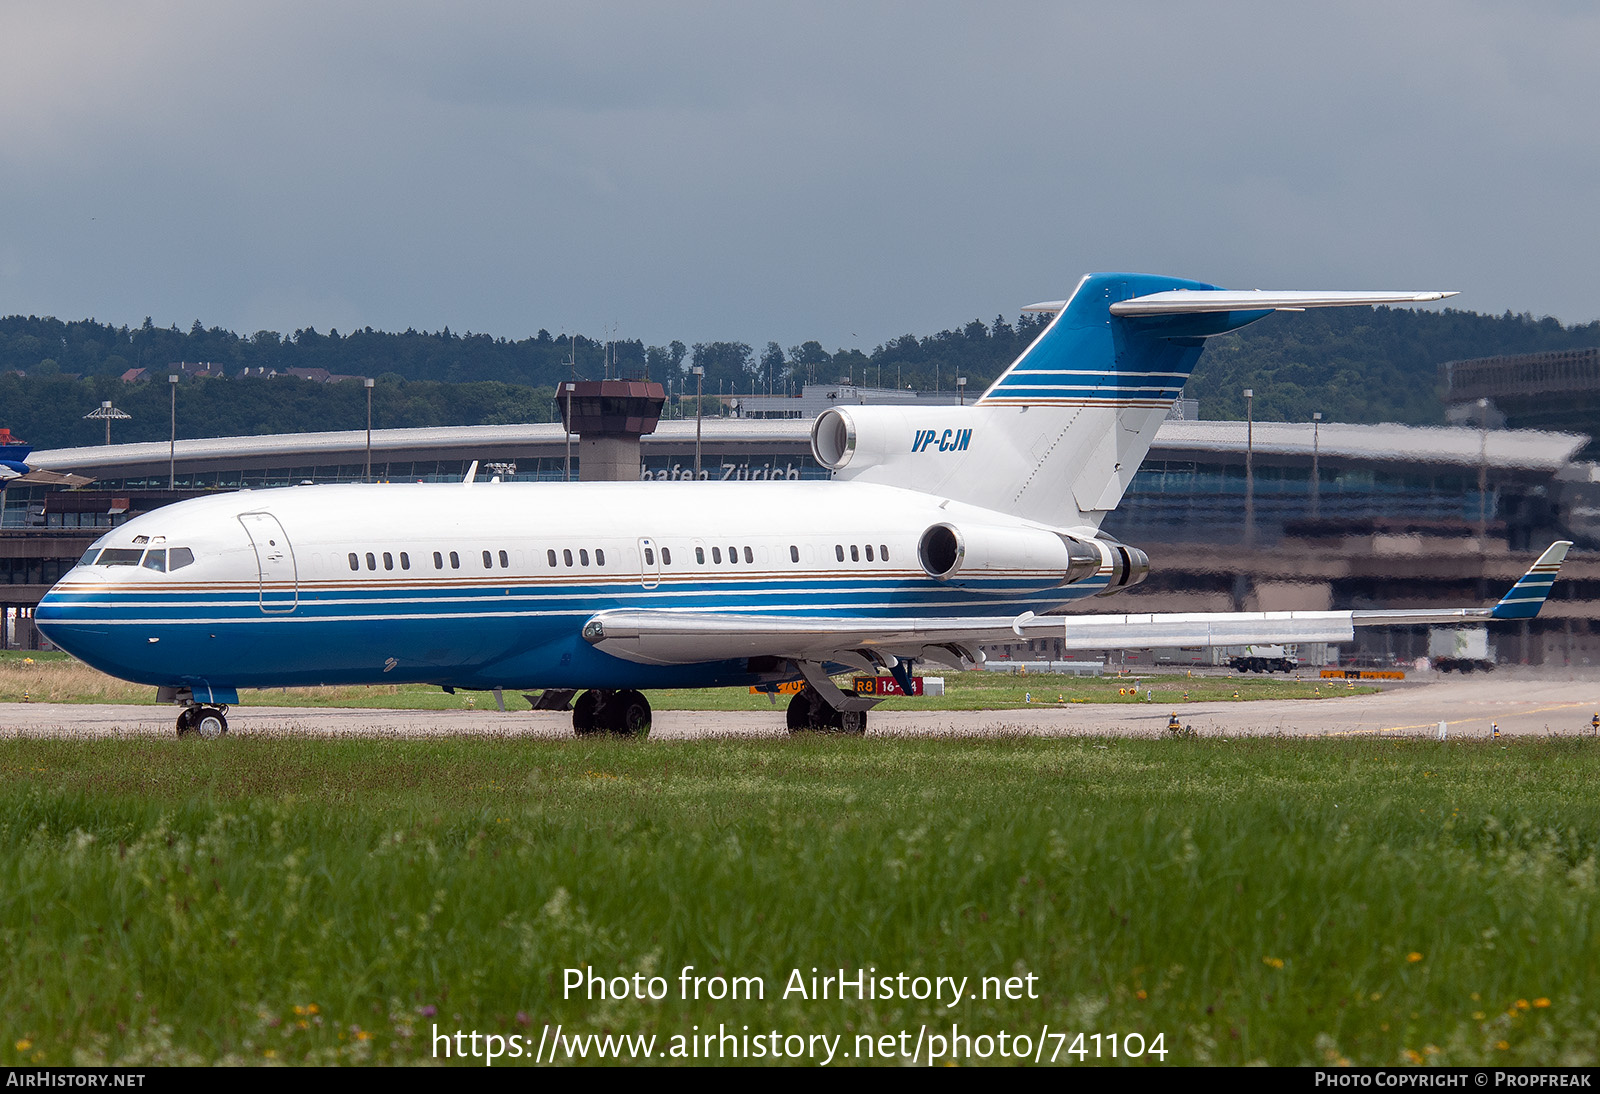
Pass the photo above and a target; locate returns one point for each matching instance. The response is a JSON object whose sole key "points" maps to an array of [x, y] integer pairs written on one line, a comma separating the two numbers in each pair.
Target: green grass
{"points": [[1278, 900], [57, 678]]}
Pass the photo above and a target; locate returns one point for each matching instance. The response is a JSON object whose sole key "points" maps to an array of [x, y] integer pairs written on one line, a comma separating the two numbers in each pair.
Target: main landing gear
{"points": [[624, 713], [809, 712], [204, 721]]}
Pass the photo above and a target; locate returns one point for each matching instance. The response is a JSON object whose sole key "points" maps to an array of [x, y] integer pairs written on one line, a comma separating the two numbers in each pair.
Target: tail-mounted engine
{"points": [[997, 559], [1129, 565]]}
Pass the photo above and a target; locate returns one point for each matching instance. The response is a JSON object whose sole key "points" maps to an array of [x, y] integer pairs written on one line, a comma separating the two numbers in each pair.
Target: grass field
{"points": [[56, 678], [1279, 900]]}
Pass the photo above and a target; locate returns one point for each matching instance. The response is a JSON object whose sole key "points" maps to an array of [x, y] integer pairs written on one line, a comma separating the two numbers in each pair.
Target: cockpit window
{"points": [[121, 556], [179, 557], [156, 560], [89, 556]]}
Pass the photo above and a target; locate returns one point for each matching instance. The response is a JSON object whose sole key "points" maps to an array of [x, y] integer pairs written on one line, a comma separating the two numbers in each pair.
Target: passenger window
{"points": [[733, 556], [700, 555], [855, 555], [504, 561], [488, 561], [666, 556], [838, 550], [388, 561], [649, 556], [355, 561], [748, 556], [869, 552], [372, 563], [794, 553], [156, 560], [599, 557], [551, 553], [178, 558], [455, 561], [121, 556], [88, 557], [583, 556], [438, 561], [883, 552], [716, 555], [405, 561], [566, 555]]}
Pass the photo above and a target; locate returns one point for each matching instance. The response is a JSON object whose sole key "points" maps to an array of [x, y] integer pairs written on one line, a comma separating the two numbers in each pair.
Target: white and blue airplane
{"points": [[942, 528]]}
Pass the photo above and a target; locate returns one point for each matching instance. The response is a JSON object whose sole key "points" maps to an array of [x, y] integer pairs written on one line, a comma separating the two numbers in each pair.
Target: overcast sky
{"points": [[755, 171]]}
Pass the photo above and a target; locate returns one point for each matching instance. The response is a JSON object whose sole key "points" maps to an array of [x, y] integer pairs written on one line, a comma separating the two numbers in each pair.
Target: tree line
{"points": [[1352, 364]]}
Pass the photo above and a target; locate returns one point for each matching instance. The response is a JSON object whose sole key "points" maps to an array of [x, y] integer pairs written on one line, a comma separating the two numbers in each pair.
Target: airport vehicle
{"points": [[942, 528], [1269, 658], [1460, 649]]}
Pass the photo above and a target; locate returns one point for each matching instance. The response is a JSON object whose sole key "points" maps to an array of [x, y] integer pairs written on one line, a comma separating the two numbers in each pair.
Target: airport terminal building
{"points": [[1233, 517]]}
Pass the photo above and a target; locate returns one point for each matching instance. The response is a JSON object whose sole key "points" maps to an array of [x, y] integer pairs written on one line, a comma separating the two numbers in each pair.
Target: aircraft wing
{"points": [[675, 637]]}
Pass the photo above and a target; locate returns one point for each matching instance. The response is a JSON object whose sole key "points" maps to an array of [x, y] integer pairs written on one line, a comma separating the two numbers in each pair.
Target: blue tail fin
{"points": [[1527, 596]]}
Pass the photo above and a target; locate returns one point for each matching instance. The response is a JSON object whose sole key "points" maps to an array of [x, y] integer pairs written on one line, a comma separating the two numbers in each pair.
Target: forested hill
{"points": [[1353, 364]]}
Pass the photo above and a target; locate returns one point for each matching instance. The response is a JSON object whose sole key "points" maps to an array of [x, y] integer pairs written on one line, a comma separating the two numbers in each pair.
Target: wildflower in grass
{"points": [[1522, 1004], [1477, 1016], [1502, 1045], [1413, 1055], [1140, 995], [1541, 1002], [1413, 957], [428, 1011], [1273, 962], [24, 1045]]}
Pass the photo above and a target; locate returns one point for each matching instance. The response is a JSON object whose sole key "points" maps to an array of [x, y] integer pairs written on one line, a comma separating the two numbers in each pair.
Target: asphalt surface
{"points": [[1520, 702]]}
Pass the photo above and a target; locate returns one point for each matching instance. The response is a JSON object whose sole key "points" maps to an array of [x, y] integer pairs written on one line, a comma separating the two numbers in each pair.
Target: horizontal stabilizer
{"points": [[1192, 301], [1196, 301]]}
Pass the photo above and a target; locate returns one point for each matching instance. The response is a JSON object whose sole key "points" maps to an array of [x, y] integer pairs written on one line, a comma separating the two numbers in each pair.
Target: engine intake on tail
{"points": [[1001, 560]]}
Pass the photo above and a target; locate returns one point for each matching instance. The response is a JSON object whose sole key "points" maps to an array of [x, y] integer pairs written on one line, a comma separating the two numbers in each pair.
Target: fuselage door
{"points": [[649, 563], [280, 582]]}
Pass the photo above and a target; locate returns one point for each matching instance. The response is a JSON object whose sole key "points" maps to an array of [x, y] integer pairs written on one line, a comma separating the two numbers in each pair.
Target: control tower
{"points": [[609, 417]]}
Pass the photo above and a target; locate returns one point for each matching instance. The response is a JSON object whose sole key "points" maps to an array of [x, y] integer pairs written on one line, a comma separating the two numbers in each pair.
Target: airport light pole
{"points": [[1483, 471], [172, 444], [1316, 480], [961, 388], [699, 383], [1249, 467], [367, 475]]}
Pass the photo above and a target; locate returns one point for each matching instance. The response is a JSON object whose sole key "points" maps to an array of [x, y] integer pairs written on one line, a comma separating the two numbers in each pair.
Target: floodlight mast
{"points": [[106, 411]]}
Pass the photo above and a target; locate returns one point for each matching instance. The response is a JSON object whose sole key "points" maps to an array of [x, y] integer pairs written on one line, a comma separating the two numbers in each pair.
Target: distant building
{"points": [[198, 370], [1558, 390], [136, 376], [319, 375]]}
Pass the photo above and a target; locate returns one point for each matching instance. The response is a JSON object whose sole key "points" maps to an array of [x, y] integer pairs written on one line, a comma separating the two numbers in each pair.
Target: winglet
{"points": [[1527, 596]]}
